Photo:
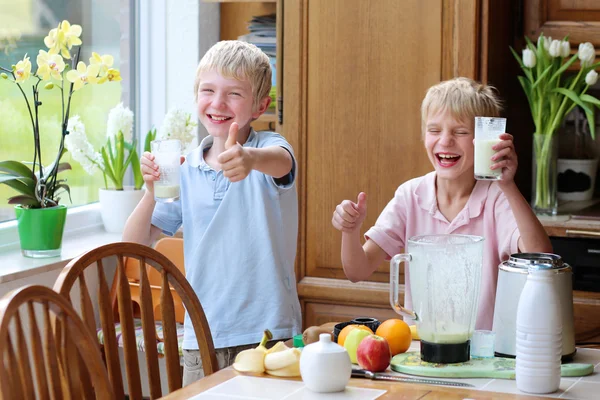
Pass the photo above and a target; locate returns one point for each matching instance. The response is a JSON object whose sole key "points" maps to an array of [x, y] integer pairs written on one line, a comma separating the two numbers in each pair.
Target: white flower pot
{"points": [[117, 205], [576, 179]]}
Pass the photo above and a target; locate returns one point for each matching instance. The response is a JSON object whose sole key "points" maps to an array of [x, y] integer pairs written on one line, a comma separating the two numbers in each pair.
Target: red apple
{"points": [[373, 353]]}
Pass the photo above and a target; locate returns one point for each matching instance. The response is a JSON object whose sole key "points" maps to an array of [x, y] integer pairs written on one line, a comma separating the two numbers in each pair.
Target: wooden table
{"points": [[395, 390]]}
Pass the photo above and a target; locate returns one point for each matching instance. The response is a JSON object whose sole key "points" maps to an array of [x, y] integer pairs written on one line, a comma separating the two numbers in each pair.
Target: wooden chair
{"points": [[47, 361], [96, 259]]}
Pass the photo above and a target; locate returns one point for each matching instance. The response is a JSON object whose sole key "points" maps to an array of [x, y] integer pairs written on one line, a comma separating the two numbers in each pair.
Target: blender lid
{"points": [[521, 262]]}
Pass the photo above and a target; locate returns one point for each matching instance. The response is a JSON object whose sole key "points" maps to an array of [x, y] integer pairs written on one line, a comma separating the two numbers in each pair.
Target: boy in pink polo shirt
{"points": [[449, 199]]}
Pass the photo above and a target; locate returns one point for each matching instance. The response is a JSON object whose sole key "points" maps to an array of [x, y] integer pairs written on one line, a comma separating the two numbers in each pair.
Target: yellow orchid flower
{"points": [[112, 75], [83, 75], [50, 65], [22, 70], [63, 38], [104, 62], [72, 33]]}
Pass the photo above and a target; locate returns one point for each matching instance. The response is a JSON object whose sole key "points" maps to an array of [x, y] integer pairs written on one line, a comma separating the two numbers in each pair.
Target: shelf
{"points": [[240, 1]]}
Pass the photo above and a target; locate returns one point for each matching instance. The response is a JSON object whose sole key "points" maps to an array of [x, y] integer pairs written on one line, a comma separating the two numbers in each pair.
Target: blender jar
{"points": [[445, 276]]}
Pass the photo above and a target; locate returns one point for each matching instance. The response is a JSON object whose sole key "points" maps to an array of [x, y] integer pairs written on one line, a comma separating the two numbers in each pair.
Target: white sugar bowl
{"points": [[325, 366]]}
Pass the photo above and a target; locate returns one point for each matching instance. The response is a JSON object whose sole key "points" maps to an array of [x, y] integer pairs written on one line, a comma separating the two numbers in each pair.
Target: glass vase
{"points": [[545, 155]]}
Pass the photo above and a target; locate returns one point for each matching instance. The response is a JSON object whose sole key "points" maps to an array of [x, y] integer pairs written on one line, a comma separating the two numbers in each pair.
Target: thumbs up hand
{"points": [[232, 138], [349, 216], [236, 162]]}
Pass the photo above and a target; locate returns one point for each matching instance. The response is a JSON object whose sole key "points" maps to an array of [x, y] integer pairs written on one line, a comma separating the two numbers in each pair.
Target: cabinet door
{"points": [[355, 73], [580, 19]]}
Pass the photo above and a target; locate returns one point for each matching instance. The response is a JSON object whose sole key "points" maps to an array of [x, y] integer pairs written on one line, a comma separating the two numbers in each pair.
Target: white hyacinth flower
{"points": [[565, 48], [178, 125], [591, 78], [80, 148], [555, 48], [120, 119], [529, 59], [586, 54]]}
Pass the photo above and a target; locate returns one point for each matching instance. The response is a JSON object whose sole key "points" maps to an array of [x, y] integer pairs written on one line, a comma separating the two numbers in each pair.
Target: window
{"points": [[23, 26]]}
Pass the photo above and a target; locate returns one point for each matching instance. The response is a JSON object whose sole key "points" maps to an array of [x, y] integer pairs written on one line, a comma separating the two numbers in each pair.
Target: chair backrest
{"points": [[45, 354], [170, 275]]}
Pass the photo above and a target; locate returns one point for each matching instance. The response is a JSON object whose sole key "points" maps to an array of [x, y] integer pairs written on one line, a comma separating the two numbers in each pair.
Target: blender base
{"points": [[445, 353]]}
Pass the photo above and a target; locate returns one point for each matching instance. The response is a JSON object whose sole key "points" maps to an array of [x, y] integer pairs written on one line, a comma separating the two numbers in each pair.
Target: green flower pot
{"points": [[41, 230]]}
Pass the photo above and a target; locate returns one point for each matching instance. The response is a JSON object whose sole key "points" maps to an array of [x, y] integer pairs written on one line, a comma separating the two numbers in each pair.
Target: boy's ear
{"points": [[262, 106]]}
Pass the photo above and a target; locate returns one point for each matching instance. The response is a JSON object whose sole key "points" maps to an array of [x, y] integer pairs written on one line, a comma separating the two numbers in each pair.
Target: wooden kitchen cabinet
{"points": [[354, 75], [580, 19]]}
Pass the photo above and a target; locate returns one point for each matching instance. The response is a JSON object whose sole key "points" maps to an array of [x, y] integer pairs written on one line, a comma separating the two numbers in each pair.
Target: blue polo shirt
{"points": [[239, 247]]}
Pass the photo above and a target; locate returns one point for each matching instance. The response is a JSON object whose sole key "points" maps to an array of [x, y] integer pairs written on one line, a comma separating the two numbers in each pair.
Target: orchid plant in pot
{"points": [[59, 71], [555, 82]]}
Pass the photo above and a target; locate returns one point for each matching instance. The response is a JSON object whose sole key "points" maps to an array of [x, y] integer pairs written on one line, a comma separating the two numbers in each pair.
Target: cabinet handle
{"points": [[576, 232]]}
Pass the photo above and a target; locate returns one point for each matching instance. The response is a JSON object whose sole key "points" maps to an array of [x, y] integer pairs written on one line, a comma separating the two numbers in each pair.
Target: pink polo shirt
{"points": [[413, 211]]}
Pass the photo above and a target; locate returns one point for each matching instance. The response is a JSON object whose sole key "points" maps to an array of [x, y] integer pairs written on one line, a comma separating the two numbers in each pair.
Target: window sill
{"points": [[75, 242]]}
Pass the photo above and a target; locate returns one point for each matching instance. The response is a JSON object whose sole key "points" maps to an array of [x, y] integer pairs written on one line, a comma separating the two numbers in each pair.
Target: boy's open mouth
{"points": [[447, 159], [218, 118]]}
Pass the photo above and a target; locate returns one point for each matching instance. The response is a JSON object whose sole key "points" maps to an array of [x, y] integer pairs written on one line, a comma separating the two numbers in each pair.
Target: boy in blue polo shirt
{"points": [[238, 207]]}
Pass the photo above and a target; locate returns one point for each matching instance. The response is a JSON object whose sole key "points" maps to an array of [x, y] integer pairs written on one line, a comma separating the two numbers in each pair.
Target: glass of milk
{"points": [[487, 134], [166, 156]]}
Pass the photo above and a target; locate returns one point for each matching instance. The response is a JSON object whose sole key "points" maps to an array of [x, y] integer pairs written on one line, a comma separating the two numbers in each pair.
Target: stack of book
{"points": [[262, 34]]}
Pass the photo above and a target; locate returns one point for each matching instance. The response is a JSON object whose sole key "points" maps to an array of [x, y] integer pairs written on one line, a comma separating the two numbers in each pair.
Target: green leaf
{"points": [[24, 201], [120, 167], [573, 97], [527, 89], [590, 99], [138, 179], [541, 77], [16, 168], [110, 152], [26, 188], [66, 188], [107, 167], [63, 167], [7, 177], [149, 138], [563, 68], [592, 125]]}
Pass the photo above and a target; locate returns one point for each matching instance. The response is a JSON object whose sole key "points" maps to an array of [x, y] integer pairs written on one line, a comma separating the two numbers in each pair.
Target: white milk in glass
{"points": [[166, 156], [487, 132]]}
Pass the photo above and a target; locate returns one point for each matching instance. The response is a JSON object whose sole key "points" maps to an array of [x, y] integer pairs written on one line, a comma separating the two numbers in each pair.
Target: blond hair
{"points": [[238, 60], [464, 98]]}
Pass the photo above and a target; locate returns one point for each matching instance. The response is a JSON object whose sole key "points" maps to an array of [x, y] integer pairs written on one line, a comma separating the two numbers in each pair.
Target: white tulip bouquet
{"points": [[553, 89]]}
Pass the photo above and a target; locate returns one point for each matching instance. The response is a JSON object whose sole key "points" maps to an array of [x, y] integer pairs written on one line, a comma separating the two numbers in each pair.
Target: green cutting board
{"points": [[496, 367]]}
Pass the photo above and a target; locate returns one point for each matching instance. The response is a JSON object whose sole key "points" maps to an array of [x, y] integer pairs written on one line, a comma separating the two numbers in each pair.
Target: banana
{"points": [[282, 359], [290, 370], [279, 346], [252, 360]]}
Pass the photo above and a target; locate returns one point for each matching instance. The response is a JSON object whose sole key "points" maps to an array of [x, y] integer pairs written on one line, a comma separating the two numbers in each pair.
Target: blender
{"points": [[445, 275]]}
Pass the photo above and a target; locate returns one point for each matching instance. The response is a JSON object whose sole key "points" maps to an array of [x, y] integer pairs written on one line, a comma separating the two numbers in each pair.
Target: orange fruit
{"points": [[397, 333], [346, 330]]}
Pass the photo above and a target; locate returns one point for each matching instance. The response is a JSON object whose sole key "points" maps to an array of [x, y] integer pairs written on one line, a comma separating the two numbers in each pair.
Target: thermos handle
{"points": [[394, 281]]}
